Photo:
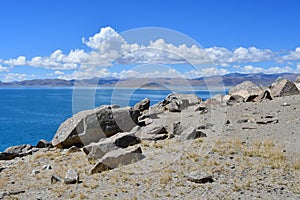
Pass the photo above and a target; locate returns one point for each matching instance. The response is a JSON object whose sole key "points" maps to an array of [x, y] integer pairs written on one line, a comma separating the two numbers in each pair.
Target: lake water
{"points": [[30, 114]]}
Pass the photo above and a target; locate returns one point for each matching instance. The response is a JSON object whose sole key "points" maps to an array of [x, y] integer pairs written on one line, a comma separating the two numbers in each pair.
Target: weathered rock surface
{"points": [[200, 177], [176, 128], [55, 178], [247, 90], [142, 105], [191, 133], [44, 144], [154, 131], [90, 126], [175, 102], [17, 151], [264, 96], [118, 157], [284, 88], [105, 145], [71, 177], [215, 100]]}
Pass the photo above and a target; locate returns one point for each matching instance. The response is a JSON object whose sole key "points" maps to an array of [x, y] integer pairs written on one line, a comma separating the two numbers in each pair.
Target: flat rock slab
{"points": [[200, 177], [118, 157], [153, 131], [105, 145], [191, 134]]}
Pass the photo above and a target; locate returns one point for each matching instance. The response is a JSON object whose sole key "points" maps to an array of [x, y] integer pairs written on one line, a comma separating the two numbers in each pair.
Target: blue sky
{"points": [[240, 36]]}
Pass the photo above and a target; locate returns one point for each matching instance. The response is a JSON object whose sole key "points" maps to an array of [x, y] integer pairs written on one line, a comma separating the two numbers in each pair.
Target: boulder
{"points": [[297, 79], [175, 105], [201, 107], [190, 99], [142, 105], [266, 95], [215, 100], [232, 99], [90, 126], [44, 144], [191, 133], [71, 177], [298, 86], [176, 128], [154, 131], [105, 145], [17, 151], [247, 90], [284, 88], [118, 157]]}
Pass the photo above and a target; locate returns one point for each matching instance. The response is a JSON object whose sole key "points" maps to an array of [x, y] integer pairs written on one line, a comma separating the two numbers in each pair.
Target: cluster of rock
{"points": [[249, 92], [111, 135]]}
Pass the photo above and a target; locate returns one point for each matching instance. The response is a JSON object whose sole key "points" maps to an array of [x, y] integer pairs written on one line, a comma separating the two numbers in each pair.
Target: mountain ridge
{"points": [[227, 79]]}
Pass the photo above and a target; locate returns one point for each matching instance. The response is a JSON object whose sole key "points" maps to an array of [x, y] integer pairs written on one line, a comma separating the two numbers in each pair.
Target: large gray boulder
{"points": [[284, 88], [154, 131], [142, 105], [247, 90], [118, 157], [175, 102], [105, 145], [91, 125]]}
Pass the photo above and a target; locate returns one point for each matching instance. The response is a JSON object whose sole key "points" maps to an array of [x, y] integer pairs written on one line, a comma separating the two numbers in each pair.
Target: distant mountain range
{"points": [[228, 80]]}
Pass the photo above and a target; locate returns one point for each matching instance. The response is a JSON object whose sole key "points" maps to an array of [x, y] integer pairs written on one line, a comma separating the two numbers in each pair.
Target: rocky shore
{"points": [[244, 145]]}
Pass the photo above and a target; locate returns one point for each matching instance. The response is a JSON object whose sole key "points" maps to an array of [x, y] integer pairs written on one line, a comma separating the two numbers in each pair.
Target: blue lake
{"points": [[30, 114]]}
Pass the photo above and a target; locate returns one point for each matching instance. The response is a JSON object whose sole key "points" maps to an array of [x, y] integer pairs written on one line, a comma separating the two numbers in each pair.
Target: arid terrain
{"points": [[249, 150]]}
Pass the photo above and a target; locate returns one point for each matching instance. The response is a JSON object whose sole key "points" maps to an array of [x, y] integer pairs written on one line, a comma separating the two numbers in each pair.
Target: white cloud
{"points": [[271, 70], [17, 77], [59, 72], [21, 60], [210, 71], [3, 69], [293, 55], [109, 46]]}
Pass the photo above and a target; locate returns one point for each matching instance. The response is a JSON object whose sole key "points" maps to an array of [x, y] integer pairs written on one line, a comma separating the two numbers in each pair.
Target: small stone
{"points": [[200, 177], [286, 104], [35, 172], [71, 177], [46, 167], [55, 178]]}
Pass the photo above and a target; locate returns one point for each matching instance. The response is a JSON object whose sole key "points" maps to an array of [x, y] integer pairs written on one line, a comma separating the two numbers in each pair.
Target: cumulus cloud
{"points": [[17, 77], [21, 60], [108, 47], [58, 72], [3, 69], [293, 55], [271, 70]]}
